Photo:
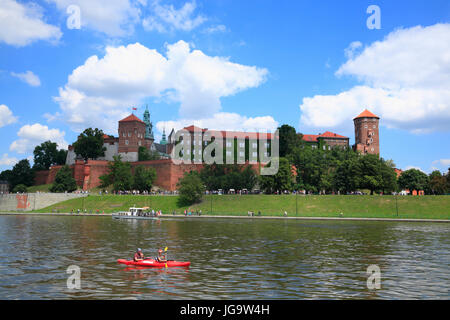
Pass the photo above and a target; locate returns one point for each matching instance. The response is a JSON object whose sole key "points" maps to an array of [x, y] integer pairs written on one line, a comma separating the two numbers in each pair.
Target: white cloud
{"points": [[406, 81], [442, 162], [215, 29], [6, 116], [223, 121], [28, 77], [166, 18], [33, 135], [22, 24], [101, 91], [111, 17], [8, 161]]}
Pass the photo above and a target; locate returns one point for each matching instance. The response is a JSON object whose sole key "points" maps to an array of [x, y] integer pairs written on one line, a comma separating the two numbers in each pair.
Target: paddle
{"points": [[165, 250]]}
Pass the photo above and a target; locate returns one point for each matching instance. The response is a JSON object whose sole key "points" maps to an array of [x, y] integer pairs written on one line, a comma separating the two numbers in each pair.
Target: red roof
{"points": [[237, 134], [131, 118], [310, 137], [366, 114], [193, 128], [329, 134]]}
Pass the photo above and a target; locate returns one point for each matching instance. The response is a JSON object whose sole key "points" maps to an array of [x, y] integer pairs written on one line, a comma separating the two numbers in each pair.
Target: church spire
{"points": [[148, 124], [163, 140]]}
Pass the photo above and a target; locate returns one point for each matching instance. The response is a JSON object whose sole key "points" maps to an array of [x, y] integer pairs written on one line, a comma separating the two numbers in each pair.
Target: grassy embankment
{"points": [[423, 207]]}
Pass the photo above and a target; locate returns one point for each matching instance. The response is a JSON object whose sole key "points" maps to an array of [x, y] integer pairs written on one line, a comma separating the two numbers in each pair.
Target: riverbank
{"points": [[179, 216], [334, 206]]}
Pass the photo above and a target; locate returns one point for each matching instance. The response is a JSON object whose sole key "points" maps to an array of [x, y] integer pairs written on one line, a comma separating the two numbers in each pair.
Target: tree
{"points": [[413, 179], [145, 155], [22, 174], [6, 176], [388, 176], [372, 178], [228, 176], [144, 178], [280, 181], [90, 144], [190, 188], [437, 183], [288, 139], [119, 175], [47, 154], [20, 188], [64, 181]]}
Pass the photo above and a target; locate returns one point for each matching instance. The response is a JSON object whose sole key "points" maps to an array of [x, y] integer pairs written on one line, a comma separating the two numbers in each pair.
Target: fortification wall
{"points": [[33, 201]]}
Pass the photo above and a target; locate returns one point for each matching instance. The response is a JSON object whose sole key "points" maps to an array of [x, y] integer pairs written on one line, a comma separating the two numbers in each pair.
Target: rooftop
{"points": [[131, 118], [366, 114]]}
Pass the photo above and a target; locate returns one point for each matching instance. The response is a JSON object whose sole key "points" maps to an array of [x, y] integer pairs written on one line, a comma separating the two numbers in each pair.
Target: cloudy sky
{"points": [[66, 65]]}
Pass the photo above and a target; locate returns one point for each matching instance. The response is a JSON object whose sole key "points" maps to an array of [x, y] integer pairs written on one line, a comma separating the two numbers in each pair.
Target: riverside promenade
{"points": [[206, 216]]}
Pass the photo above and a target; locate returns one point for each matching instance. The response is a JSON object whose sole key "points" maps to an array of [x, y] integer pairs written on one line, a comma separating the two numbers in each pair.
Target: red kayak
{"points": [[155, 264]]}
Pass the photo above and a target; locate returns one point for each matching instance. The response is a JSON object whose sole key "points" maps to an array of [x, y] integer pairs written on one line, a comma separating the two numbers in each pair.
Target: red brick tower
{"points": [[131, 137], [367, 139]]}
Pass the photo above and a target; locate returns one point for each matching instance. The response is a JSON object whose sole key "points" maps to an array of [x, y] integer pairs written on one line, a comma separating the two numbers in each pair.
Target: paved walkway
{"points": [[179, 216]]}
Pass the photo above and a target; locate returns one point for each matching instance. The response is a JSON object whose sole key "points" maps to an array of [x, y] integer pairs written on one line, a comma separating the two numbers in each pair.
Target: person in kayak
{"points": [[161, 256], [138, 256]]}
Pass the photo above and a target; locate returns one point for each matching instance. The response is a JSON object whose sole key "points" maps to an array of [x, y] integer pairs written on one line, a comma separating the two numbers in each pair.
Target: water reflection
{"points": [[230, 258]]}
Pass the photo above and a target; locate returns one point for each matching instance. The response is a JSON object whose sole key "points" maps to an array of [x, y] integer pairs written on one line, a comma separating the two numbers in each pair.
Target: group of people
{"points": [[139, 256], [189, 212]]}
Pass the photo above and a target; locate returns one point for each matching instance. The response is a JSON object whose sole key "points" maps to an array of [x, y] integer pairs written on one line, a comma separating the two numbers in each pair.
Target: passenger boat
{"points": [[136, 213]]}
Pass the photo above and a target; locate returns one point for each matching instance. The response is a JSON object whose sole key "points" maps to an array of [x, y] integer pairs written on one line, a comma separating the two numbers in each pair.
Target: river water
{"points": [[230, 258]]}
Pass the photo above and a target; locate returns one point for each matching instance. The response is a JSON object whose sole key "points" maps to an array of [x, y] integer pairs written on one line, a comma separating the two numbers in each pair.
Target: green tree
{"points": [[145, 155], [388, 176], [281, 181], [20, 188], [119, 175], [437, 182], [413, 179], [90, 144], [47, 154], [289, 140], [190, 188], [372, 178], [22, 173], [144, 178], [64, 181]]}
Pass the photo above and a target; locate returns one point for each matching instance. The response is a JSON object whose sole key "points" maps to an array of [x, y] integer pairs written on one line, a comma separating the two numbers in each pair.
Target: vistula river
{"points": [[230, 258]]}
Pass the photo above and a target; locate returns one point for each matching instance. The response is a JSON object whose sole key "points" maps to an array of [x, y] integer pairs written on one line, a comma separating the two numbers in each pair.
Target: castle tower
{"points": [[131, 137], [367, 139], [148, 125], [163, 139]]}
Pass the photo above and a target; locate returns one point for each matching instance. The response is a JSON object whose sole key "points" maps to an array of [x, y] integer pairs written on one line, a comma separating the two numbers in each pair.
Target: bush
{"points": [[64, 181], [191, 189], [21, 188]]}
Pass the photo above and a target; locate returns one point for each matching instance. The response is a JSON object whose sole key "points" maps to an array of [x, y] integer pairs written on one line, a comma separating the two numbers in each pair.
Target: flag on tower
{"points": [[134, 109]]}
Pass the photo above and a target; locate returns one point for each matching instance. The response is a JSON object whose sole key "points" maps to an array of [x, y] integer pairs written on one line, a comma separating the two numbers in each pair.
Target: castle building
{"points": [[133, 133], [367, 139], [326, 140]]}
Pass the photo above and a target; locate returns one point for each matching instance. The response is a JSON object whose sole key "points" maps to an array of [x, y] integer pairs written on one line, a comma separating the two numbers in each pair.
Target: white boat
{"points": [[136, 213]]}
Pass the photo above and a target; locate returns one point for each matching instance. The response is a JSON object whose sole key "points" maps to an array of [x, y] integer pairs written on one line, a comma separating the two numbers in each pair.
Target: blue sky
{"points": [[241, 65]]}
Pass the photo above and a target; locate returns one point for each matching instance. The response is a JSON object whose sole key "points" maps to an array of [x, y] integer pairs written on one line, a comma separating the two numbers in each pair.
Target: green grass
{"points": [[40, 188], [423, 207]]}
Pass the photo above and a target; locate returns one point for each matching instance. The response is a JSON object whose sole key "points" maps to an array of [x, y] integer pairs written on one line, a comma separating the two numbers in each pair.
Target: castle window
{"points": [[129, 134], [124, 134], [140, 143], [241, 144], [228, 153], [254, 145], [374, 126], [126, 142]]}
